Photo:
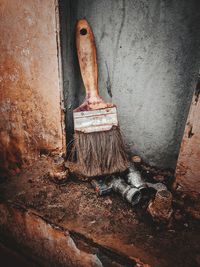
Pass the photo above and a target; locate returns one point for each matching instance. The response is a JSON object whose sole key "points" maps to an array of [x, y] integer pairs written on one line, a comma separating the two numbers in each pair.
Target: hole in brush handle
{"points": [[83, 31]]}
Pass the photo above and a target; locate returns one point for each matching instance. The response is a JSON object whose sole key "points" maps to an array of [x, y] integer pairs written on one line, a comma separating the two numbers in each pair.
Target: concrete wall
{"points": [[148, 57], [30, 114]]}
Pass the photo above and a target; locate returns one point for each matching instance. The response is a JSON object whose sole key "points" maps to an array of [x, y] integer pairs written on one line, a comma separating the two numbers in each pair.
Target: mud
{"points": [[107, 221]]}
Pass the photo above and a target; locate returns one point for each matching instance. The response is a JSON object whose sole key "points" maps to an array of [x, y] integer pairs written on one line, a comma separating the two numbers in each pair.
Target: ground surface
{"points": [[10, 258], [108, 221]]}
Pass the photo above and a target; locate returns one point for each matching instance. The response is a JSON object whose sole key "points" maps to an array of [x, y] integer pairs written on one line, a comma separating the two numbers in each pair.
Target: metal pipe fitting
{"points": [[157, 186], [131, 194], [134, 178]]}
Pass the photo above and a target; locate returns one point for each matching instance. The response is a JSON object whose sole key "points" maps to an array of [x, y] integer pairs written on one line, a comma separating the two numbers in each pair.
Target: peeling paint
{"points": [[190, 133]]}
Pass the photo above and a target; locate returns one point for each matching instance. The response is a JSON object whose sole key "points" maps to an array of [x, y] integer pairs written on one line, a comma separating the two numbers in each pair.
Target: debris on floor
{"points": [[108, 220], [59, 173], [131, 186]]}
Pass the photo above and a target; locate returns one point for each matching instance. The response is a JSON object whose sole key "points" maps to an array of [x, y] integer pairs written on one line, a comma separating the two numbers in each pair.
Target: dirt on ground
{"points": [[72, 203]]}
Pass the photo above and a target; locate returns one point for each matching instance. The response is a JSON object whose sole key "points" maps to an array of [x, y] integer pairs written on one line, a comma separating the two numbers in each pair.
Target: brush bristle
{"points": [[100, 153]]}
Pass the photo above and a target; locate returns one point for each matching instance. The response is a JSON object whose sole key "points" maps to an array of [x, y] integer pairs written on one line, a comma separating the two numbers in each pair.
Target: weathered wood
{"points": [[86, 50]]}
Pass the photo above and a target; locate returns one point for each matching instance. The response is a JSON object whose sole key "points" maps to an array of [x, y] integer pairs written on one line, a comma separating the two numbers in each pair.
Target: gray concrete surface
{"points": [[148, 58]]}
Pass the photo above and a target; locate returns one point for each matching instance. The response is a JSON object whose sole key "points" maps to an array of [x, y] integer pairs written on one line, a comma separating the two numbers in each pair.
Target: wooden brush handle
{"points": [[88, 64], [87, 57]]}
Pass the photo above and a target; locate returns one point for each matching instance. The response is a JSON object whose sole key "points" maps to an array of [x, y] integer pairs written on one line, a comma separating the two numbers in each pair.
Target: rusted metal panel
{"points": [[30, 114], [188, 166]]}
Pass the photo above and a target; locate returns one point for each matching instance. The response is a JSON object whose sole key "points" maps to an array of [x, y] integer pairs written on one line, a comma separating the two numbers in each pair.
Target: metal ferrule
{"points": [[95, 120]]}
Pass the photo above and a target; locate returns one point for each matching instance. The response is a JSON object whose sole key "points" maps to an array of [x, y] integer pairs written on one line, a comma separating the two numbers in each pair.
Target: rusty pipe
{"points": [[161, 207]]}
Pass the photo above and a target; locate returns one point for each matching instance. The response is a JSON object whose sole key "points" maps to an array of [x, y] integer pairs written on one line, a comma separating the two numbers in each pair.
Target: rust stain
{"points": [[188, 167], [23, 122], [30, 113], [49, 244]]}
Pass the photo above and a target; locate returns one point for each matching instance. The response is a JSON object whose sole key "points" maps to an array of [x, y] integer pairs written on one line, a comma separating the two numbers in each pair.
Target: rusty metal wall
{"points": [[30, 114], [188, 166], [148, 57]]}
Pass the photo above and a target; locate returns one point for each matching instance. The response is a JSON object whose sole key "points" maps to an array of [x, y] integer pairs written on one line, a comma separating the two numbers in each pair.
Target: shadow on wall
{"points": [[148, 63]]}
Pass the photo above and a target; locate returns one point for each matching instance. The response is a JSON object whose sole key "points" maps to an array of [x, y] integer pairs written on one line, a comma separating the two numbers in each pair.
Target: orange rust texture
{"points": [[30, 114], [188, 166], [52, 246]]}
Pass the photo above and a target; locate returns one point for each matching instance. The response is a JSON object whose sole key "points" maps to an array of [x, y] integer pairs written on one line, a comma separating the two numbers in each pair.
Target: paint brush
{"points": [[97, 139]]}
